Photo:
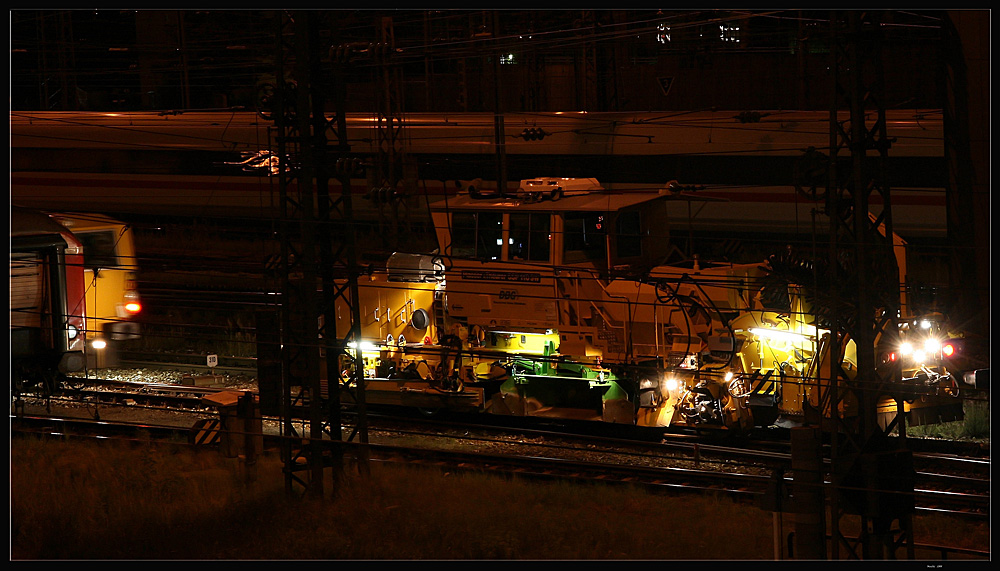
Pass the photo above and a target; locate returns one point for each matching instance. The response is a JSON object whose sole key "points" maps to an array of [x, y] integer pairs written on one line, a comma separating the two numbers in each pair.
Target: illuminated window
{"points": [[729, 33], [507, 59], [662, 33]]}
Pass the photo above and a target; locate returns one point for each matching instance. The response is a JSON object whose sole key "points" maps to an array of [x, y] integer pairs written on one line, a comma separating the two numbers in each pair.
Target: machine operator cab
{"points": [[527, 263], [552, 223]]}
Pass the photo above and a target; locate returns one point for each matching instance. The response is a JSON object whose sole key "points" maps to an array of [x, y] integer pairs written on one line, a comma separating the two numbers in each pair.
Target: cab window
{"points": [[628, 235], [585, 236], [99, 249], [477, 235], [529, 237]]}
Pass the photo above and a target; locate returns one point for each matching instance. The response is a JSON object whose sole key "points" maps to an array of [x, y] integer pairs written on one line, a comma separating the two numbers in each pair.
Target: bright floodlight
{"points": [[778, 334]]}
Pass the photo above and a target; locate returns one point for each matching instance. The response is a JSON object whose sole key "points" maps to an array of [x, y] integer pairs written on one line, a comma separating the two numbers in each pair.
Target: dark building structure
{"points": [[467, 60]]}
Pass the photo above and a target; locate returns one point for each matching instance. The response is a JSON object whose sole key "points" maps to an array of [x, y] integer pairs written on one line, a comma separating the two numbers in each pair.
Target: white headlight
{"points": [[932, 346], [906, 348], [672, 384], [72, 331], [99, 344]]}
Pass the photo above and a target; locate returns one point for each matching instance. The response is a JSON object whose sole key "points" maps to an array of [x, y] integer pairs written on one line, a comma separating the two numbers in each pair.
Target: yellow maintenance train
{"points": [[554, 301]]}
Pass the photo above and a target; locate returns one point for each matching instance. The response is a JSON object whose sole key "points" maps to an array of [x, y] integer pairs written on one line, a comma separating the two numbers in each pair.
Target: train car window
{"points": [[28, 284], [529, 237], [628, 235], [585, 236], [477, 235], [99, 249]]}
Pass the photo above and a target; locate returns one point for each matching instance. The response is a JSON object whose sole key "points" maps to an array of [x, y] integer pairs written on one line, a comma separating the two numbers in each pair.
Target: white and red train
{"points": [[213, 164]]}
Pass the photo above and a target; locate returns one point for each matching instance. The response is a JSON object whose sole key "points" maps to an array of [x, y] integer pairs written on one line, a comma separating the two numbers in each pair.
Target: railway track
{"points": [[767, 447], [682, 464], [949, 478], [191, 362], [741, 487]]}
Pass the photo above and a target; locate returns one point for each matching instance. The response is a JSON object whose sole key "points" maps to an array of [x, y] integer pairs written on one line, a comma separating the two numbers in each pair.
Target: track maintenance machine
{"points": [[557, 304]]}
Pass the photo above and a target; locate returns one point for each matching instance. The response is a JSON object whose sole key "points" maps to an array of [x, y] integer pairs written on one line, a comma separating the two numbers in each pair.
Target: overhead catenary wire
{"points": [[644, 23]]}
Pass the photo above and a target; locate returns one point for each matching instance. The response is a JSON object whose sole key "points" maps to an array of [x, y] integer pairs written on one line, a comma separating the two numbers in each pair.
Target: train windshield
{"points": [[98, 249]]}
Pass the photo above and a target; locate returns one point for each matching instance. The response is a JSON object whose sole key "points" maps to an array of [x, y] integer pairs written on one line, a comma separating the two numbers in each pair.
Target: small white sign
{"points": [[213, 360]]}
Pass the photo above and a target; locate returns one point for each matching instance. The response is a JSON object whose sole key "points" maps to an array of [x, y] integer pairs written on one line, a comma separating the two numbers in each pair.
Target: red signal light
{"points": [[948, 350], [133, 304]]}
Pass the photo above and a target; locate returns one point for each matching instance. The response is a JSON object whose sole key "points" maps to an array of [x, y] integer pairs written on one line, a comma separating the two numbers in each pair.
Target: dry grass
{"points": [[975, 425], [72, 501]]}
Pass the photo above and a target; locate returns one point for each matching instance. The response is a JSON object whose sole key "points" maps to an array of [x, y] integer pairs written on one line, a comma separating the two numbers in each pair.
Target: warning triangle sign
{"points": [[665, 83]]}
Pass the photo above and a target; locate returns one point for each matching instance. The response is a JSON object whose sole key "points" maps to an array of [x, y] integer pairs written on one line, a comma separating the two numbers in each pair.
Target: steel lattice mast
{"points": [[310, 219], [872, 476]]}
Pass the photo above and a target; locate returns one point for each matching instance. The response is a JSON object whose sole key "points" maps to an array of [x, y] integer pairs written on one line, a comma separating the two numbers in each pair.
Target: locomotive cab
{"points": [[525, 266], [113, 301]]}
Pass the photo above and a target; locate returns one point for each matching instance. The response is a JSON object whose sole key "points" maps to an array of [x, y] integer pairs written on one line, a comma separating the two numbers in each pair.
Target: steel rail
{"points": [[744, 486]]}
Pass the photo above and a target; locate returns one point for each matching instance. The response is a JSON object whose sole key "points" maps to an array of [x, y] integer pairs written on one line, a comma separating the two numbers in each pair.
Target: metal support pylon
{"points": [[869, 473], [310, 265], [390, 190]]}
